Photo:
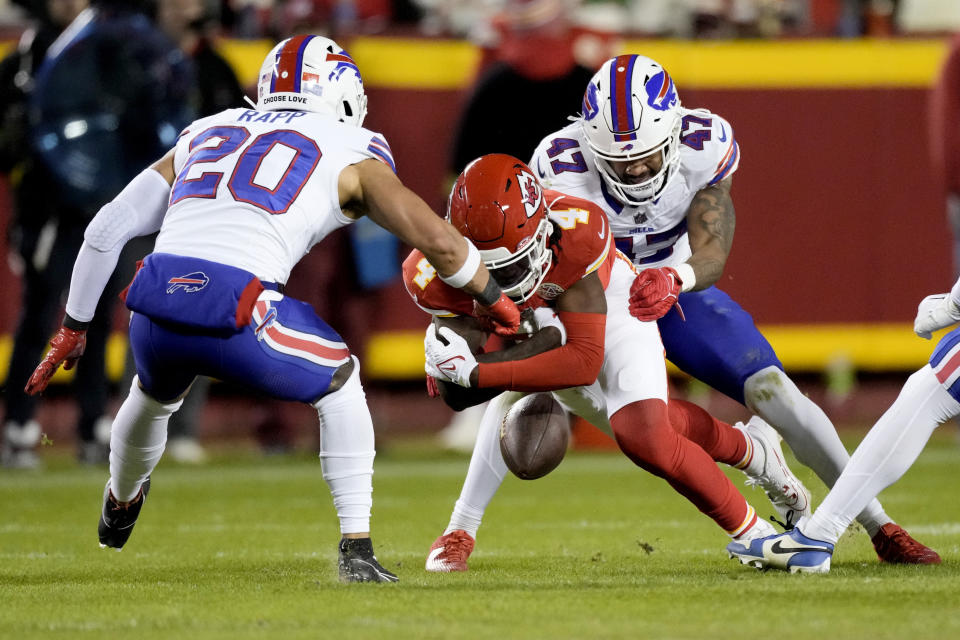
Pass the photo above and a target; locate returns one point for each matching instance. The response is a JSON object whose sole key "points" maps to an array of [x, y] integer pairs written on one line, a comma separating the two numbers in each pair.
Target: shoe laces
{"points": [[898, 539], [788, 522], [116, 505], [457, 545]]}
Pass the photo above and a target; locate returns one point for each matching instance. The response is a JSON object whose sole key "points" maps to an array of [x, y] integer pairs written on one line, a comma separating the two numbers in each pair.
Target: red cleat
{"points": [[894, 545], [450, 552]]}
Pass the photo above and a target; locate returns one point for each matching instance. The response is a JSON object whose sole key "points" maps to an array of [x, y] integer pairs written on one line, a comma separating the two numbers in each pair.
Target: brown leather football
{"points": [[534, 436]]}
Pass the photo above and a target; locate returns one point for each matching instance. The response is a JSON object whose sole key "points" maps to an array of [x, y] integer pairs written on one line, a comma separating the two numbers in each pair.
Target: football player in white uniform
{"points": [[663, 173], [930, 397], [240, 199]]}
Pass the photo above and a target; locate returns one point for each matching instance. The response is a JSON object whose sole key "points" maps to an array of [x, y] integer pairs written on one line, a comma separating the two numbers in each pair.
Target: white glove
{"points": [[935, 312], [546, 317], [451, 361]]}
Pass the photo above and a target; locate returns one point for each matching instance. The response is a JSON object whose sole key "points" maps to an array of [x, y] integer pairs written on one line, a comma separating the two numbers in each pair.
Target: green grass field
{"points": [[246, 547]]}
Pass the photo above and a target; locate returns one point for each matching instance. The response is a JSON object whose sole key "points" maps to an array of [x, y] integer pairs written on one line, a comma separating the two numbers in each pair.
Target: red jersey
{"points": [[585, 245]]}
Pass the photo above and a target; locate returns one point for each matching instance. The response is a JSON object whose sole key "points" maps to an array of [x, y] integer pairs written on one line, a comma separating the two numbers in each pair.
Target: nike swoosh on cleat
{"points": [[776, 547], [433, 557]]}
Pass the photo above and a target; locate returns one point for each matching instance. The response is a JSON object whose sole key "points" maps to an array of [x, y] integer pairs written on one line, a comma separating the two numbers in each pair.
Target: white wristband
{"points": [[467, 270], [687, 276]]}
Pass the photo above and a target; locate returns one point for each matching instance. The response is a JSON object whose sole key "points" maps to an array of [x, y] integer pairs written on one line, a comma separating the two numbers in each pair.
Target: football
{"points": [[534, 436]]}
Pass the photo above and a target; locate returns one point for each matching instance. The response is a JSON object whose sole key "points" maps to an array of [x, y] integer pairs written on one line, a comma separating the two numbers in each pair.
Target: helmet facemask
{"points": [[641, 192], [520, 274]]}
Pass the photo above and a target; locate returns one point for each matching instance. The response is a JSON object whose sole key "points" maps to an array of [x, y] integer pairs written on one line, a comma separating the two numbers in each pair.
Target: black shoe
{"points": [[358, 564], [117, 520]]}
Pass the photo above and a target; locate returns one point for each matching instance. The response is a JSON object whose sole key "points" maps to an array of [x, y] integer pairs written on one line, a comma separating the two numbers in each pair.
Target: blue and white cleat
{"points": [[791, 551]]}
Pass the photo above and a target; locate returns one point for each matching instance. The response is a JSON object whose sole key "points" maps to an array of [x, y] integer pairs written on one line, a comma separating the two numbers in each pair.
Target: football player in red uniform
{"points": [[554, 255]]}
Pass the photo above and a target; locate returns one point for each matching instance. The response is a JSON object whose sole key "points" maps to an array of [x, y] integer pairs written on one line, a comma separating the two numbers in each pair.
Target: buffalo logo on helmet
{"points": [[530, 193], [343, 63], [189, 283], [590, 106], [661, 92]]}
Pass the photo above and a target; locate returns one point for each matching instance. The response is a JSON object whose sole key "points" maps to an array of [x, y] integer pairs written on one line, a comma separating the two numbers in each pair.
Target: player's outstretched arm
{"points": [[371, 188], [711, 222], [137, 210]]}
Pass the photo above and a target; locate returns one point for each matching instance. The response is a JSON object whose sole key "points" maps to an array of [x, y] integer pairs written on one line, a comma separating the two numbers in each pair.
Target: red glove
{"points": [[654, 292], [433, 390], [66, 348], [504, 314]]}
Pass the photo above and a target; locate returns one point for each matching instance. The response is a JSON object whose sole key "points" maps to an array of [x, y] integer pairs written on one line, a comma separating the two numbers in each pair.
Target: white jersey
{"points": [[257, 189], [653, 234]]}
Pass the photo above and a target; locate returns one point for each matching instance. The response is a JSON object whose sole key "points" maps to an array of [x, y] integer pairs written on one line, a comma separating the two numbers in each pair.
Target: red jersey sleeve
{"points": [[586, 244], [429, 292]]}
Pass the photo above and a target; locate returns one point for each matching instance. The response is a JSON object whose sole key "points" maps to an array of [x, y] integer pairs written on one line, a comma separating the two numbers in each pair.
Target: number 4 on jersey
{"points": [[569, 218]]}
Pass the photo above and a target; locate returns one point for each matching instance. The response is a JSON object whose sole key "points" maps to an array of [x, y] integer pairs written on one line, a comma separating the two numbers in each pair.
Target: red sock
{"points": [[723, 442], [645, 434]]}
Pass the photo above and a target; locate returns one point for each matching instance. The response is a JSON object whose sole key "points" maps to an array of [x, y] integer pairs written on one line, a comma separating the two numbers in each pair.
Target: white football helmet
{"points": [[631, 109], [312, 73]]}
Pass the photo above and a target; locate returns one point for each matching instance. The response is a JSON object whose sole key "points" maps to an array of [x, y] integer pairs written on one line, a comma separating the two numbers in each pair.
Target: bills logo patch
{"points": [[590, 106], [189, 283], [530, 192], [661, 92]]}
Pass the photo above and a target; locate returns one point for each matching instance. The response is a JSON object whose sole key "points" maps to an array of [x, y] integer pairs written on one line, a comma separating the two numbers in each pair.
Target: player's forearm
{"points": [[540, 342], [91, 272], [711, 223], [707, 266], [459, 398], [955, 295], [137, 210], [576, 363]]}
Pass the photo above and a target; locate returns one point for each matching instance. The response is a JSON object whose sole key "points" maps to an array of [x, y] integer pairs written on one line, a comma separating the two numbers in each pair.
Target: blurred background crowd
{"points": [[67, 141], [480, 20]]}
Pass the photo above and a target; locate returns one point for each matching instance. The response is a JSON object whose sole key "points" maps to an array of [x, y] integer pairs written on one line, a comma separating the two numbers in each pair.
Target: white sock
{"points": [[487, 468], [759, 529], [137, 439], [888, 450], [807, 430], [347, 452]]}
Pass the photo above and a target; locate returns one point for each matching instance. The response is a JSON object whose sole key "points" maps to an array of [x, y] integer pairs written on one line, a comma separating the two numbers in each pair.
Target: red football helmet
{"points": [[498, 204]]}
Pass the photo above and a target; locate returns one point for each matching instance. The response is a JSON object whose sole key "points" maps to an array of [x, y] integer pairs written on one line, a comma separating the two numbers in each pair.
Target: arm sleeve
{"points": [[138, 210], [955, 294], [574, 364]]}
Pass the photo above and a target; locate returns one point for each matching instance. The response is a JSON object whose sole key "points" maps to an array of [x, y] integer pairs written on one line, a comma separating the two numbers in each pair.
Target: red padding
{"points": [[248, 298]]}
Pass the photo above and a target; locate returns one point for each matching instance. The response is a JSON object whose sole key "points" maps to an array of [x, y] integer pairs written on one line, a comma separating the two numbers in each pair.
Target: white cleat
{"points": [[770, 472]]}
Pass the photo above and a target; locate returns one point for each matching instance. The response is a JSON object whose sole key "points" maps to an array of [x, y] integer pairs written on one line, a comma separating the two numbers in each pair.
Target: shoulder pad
{"points": [[561, 160], [708, 149]]}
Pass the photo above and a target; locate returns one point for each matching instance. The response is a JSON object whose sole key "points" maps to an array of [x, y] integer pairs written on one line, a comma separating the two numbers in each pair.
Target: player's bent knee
{"points": [[145, 397], [346, 379], [765, 385]]}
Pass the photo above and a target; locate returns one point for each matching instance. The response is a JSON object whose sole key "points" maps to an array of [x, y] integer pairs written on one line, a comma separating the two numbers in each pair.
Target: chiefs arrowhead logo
{"points": [[531, 193]]}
